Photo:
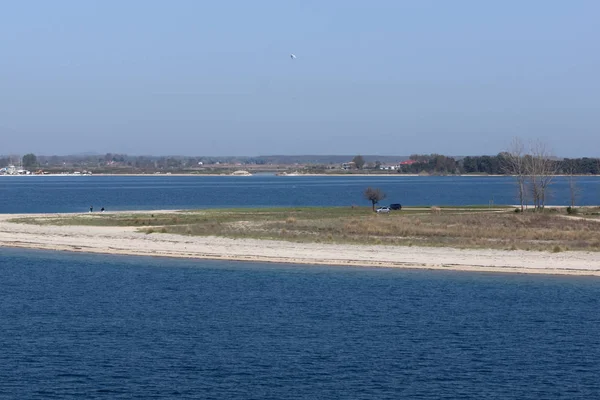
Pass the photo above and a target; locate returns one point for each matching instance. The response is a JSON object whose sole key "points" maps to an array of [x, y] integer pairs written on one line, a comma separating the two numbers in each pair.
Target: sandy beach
{"points": [[128, 241]]}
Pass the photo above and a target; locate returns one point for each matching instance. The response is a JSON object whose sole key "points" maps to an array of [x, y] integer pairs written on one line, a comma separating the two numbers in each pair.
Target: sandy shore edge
{"points": [[128, 241]]}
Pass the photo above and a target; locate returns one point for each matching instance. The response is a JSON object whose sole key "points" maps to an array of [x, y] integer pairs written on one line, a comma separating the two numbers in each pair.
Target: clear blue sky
{"points": [[195, 77]]}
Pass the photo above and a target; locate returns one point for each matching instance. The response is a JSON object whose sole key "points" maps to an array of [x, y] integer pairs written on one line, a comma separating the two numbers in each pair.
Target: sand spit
{"points": [[128, 241]]}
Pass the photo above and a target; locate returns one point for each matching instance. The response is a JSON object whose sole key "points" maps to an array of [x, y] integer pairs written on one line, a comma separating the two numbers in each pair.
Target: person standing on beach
{"points": [[91, 208]]}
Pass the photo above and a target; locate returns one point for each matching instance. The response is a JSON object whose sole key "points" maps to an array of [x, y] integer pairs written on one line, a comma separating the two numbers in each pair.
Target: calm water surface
{"points": [[104, 327], [39, 194]]}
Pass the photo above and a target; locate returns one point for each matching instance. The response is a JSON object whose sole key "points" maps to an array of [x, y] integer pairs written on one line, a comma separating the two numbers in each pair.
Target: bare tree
{"points": [[541, 169], [514, 164], [374, 195], [573, 188]]}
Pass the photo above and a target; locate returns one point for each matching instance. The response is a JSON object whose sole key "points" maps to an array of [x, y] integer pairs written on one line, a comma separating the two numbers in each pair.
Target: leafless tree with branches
{"points": [[541, 169], [574, 190], [374, 195], [514, 164]]}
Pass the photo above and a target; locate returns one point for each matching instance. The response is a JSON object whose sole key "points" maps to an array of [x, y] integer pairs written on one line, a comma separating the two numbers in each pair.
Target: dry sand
{"points": [[127, 240]]}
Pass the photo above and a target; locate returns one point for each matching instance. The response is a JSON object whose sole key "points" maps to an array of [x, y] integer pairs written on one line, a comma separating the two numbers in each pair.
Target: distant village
{"points": [[112, 167], [31, 164], [427, 164], [12, 170], [350, 166]]}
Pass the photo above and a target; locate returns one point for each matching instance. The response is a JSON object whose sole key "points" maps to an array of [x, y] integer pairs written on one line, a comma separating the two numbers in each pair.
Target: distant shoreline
{"points": [[283, 175]]}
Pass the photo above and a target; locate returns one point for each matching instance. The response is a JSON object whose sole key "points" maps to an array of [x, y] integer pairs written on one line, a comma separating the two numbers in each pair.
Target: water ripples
{"points": [[98, 327]]}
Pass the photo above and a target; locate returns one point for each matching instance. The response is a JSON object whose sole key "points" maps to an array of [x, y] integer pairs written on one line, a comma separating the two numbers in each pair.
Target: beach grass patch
{"points": [[459, 227]]}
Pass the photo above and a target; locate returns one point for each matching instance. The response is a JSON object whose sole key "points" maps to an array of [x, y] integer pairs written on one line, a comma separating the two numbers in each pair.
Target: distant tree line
{"points": [[432, 164], [493, 165]]}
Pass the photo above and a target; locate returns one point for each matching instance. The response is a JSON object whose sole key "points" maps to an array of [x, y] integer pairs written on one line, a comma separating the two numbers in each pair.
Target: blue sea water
{"points": [[90, 326], [38, 194], [111, 327]]}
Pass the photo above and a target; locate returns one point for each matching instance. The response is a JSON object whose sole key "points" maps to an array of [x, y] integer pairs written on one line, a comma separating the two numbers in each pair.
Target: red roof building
{"points": [[408, 162]]}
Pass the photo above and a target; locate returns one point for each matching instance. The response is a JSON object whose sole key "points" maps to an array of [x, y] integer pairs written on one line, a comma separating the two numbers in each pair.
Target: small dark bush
{"points": [[571, 210]]}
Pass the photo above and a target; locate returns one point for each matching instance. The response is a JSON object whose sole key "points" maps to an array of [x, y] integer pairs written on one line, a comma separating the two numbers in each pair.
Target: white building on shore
{"points": [[12, 170]]}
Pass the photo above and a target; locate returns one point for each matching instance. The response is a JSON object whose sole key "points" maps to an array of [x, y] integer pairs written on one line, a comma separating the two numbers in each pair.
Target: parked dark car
{"points": [[396, 206]]}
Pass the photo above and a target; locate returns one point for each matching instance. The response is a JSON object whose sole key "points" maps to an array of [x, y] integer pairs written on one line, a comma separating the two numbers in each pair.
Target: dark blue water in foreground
{"points": [[85, 326], [39, 194]]}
